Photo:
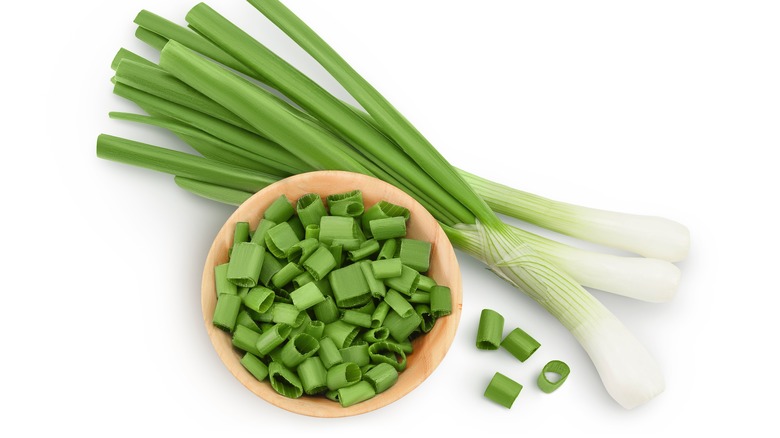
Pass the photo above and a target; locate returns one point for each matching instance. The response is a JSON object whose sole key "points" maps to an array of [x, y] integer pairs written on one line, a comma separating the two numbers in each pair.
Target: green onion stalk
{"points": [[248, 138]]}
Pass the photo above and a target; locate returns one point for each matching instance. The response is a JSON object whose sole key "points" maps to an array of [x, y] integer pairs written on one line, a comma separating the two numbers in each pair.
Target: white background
{"points": [[667, 108]]}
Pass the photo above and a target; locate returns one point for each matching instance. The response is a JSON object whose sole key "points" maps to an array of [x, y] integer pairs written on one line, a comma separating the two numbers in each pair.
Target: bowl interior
{"points": [[429, 349]]}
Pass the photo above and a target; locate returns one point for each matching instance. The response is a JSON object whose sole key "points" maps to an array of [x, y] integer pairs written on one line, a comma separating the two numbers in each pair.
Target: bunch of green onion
{"points": [[217, 89]]}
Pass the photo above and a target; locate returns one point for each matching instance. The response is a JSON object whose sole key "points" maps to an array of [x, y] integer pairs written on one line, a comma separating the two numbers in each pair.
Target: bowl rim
{"points": [[429, 350]]}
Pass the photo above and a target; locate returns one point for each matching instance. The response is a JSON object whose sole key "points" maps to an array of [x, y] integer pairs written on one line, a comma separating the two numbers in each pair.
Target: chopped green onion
{"points": [[326, 311], [381, 377], [280, 239], [245, 264], [346, 207], [490, 330], [320, 263], [406, 283], [357, 318], [520, 344], [244, 319], [329, 353], [337, 228], [388, 250], [555, 367], [298, 348], [281, 210], [376, 286], [241, 233], [284, 381], [312, 231], [286, 313], [365, 250], [262, 229], [441, 301], [285, 275], [353, 394], [388, 353], [341, 333], [313, 375], [357, 354], [271, 265], [246, 340], [255, 366], [349, 286], [259, 299], [398, 303], [342, 375], [226, 312], [310, 209], [221, 282], [401, 327], [415, 254], [376, 334], [420, 297], [272, 338], [503, 390], [388, 228], [425, 283], [316, 328], [387, 268], [427, 318], [306, 296], [379, 314]]}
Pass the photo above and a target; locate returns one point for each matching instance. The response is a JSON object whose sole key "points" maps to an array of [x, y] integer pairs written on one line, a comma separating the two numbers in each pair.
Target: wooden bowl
{"points": [[429, 350]]}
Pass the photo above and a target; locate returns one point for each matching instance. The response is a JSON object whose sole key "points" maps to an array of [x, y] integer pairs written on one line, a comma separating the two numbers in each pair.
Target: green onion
{"points": [[341, 332], [246, 261], [388, 250], [342, 375], [272, 338], [349, 286], [388, 353], [441, 301], [503, 390], [222, 284], [520, 344], [366, 249], [353, 394], [387, 268], [226, 312], [313, 375], [357, 354], [281, 210], [307, 296], [401, 327], [554, 367], [284, 276], [357, 318], [259, 299], [284, 381], [398, 303], [310, 209], [329, 353], [415, 254], [405, 283], [375, 285], [255, 366], [388, 228], [298, 348], [490, 330], [381, 377], [337, 228], [326, 311], [246, 340], [280, 239]]}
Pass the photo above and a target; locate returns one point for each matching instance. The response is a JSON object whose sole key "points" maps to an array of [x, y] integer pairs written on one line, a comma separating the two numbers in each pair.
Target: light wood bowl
{"points": [[429, 350]]}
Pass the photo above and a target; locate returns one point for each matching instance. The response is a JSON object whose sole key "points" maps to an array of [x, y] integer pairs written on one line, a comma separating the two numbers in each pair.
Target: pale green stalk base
{"points": [[630, 375], [648, 236], [640, 278]]}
